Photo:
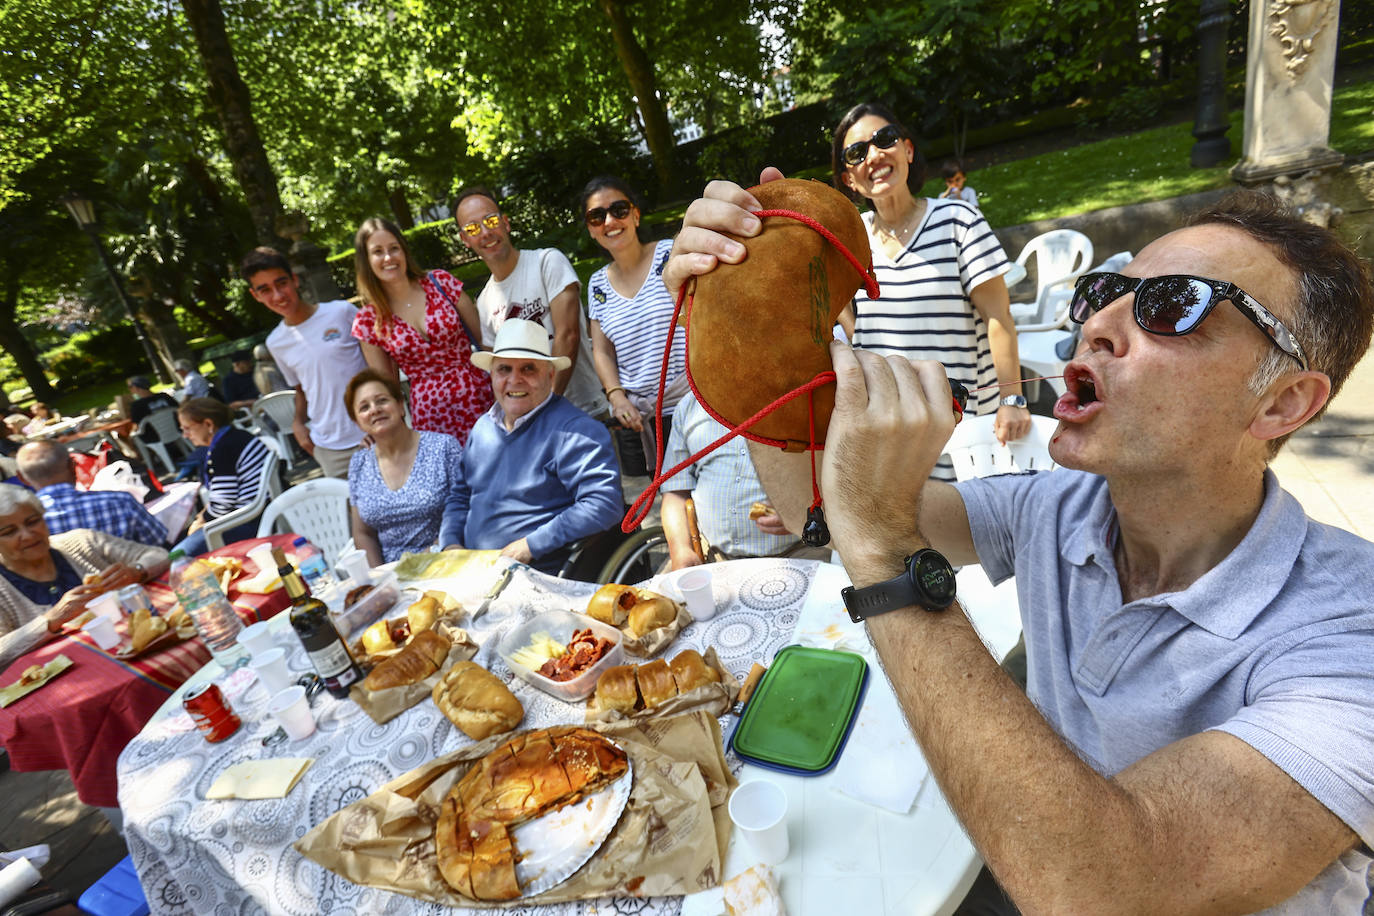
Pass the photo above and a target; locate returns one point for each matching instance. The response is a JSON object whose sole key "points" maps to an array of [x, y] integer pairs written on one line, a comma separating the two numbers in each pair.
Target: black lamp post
{"points": [[1213, 147], [84, 213]]}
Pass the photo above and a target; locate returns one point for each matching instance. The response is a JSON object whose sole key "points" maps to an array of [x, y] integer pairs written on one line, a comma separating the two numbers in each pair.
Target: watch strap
{"points": [[879, 598]]}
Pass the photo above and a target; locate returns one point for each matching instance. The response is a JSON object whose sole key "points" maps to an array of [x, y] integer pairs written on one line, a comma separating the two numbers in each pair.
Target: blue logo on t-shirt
{"points": [[599, 295], [332, 334]]}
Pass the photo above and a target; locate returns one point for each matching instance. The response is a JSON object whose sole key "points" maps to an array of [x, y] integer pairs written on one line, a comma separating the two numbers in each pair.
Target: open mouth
{"points": [[1080, 395]]}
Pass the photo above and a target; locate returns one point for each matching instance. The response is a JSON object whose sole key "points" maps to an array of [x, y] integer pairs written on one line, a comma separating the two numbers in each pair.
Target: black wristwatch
{"points": [[928, 582]]}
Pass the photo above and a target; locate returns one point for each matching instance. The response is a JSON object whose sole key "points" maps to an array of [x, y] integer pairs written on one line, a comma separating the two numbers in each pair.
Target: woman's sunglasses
{"points": [[882, 138], [597, 215], [1175, 305]]}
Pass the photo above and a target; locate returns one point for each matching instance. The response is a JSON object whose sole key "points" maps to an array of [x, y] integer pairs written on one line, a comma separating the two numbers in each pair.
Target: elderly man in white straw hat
{"points": [[538, 472]]}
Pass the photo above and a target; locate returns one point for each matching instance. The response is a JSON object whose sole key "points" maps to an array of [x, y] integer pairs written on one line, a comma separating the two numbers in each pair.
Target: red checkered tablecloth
{"points": [[82, 719]]}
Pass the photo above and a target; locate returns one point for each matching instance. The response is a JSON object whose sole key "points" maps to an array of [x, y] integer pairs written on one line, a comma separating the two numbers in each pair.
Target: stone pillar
{"points": [[1291, 61], [1213, 147], [307, 258]]}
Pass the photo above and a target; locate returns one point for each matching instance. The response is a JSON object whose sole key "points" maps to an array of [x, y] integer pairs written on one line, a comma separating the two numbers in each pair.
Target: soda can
{"points": [[134, 598], [207, 707]]}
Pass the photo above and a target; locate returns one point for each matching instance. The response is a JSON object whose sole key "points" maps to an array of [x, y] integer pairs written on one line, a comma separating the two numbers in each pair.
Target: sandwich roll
{"points": [[422, 614], [476, 701], [377, 638], [421, 657], [656, 683], [690, 671], [611, 604], [617, 689], [651, 611]]}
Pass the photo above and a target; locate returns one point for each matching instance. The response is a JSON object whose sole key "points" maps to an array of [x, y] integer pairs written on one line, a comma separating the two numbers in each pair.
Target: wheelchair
{"points": [[613, 556]]}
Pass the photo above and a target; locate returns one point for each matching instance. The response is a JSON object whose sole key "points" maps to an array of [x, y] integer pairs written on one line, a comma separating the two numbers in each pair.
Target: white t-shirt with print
{"points": [[320, 355]]}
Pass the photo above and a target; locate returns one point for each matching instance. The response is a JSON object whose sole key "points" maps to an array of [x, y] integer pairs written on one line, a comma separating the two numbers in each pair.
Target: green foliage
{"points": [[735, 154], [90, 357]]}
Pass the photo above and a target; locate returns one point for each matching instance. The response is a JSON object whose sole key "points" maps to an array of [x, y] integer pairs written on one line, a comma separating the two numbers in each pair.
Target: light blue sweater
{"points": [[553, 480]]}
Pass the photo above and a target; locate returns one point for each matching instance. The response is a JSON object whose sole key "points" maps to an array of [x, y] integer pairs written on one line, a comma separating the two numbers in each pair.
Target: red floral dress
{"points": [[447, 392]]}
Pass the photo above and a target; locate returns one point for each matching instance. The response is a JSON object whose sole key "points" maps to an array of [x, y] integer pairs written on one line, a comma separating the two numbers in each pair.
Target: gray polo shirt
{"points": [[1274, 645]]}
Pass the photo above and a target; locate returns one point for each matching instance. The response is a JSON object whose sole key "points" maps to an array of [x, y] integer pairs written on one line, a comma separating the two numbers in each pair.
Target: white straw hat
{"points": [[519, 339]]}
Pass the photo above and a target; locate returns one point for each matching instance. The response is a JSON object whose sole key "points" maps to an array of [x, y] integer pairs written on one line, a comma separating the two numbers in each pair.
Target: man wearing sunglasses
{"points": [[537, 285], [1197, 731]]}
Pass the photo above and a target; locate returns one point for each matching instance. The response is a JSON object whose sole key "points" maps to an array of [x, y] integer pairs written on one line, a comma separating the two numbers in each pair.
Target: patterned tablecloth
{"points": [[199, 856], [82, 719]]}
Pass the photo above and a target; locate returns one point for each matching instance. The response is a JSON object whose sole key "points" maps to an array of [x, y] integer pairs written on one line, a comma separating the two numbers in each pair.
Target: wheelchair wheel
{"points": [[640, 557]]}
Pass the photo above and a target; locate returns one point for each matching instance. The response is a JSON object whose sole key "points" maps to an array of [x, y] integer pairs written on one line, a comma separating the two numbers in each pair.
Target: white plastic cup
{"points": [[262, 556], [695, 585], [106, 605], [356, 565], [758, 808], [256, 638], [102, 630], [270, 667], [16, 878], [292, 710]]}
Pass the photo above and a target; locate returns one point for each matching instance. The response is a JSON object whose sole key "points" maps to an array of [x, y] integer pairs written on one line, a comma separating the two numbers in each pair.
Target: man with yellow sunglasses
{"points": [[537, 285]]}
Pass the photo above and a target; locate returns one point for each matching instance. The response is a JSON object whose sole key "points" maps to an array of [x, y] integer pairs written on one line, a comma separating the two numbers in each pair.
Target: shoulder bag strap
{"points": [[476, 344]]}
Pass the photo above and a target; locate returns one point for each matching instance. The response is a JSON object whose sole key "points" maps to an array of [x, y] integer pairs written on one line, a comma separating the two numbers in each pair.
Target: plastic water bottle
{"points": [[313, 567], [198, 591]]}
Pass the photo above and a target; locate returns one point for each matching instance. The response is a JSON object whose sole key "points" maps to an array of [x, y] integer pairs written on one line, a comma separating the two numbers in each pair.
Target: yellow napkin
{"points": [[49, 671], [446, 564], [260, 778]]}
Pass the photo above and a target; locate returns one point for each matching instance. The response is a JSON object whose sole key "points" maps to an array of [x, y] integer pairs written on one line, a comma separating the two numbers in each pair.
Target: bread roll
{"points": [[476, 701], [690, 671], [759, 510], [422, 614], [655, 683], [651, 611], [421, 657], [144, 628], [617, 689], [377, 638], [611, 604]]}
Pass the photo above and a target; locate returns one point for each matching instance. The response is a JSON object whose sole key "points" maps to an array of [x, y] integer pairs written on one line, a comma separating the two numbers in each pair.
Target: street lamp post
{"points": [[84, 214]]}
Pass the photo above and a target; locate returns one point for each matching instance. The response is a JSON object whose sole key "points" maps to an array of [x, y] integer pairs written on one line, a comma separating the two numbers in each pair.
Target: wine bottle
{"points": [[310, 620]]}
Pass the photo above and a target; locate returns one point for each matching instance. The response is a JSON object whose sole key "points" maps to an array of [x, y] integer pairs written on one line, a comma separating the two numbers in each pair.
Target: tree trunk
{"points": [[17, 345], [160, 321], [233, 103], [400, 208], [209, 287], [658, 133]]}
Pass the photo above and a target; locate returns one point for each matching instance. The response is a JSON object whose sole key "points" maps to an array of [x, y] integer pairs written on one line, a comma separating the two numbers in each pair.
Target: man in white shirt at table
{"points": [[1197, 733]]}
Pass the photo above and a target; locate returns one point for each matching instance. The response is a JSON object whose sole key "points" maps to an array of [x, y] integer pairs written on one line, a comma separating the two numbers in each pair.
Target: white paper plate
{"points": [[553, 847]]}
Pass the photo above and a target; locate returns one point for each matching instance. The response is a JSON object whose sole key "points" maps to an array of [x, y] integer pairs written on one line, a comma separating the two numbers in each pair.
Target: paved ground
{"points": [[1329, 467]]}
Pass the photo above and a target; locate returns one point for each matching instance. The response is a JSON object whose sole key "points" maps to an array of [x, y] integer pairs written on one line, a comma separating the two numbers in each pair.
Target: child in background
{"points": [[953, 172]]}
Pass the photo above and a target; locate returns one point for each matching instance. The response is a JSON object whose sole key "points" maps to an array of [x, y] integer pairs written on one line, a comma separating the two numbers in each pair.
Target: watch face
{"points": [[935, 576]]}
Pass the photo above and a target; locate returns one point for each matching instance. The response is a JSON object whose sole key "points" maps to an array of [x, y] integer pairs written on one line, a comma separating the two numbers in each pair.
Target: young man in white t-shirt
{"points": [[537, 285], [316, 354]]}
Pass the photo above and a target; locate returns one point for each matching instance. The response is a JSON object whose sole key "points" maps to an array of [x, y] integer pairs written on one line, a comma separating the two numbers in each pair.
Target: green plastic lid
{"points": [[799, 716]]}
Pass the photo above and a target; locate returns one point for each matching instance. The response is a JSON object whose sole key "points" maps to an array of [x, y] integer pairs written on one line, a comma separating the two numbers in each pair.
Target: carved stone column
{"points": [[1290, 65], [1213, 147], [307, 258]]}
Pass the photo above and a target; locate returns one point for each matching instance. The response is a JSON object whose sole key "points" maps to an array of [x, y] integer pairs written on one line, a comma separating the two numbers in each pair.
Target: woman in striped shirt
{"points": [[939, 268], [630, 311], [233, 469]]}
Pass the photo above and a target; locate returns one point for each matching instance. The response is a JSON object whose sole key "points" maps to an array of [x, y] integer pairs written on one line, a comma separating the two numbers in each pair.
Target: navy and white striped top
{"points": [[924, 310], [233, 471], [638, 327]]}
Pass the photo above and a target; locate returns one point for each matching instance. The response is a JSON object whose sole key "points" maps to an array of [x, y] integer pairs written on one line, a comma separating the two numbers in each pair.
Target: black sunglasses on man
{"points": [[1174, 305]]}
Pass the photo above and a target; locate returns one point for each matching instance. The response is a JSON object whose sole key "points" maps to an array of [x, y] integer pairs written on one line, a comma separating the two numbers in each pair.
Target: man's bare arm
{"points": [[298, 426], [567, 332]]}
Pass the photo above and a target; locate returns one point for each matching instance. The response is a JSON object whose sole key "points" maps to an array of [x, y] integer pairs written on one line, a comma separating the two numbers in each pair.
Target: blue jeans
{"points": [[193, 545]]}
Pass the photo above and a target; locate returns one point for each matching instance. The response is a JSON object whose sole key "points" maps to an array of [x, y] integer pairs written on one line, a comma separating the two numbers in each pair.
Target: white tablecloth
{"points": [[199, 856]]}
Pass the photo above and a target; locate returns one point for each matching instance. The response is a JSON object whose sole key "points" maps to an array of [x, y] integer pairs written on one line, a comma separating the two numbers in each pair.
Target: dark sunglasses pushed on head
{"points": [[1174, 305], [882, 138], [597, 215]]}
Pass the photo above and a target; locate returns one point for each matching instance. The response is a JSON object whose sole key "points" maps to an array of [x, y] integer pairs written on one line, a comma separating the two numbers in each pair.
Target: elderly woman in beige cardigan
{"points": [[46, 582]]}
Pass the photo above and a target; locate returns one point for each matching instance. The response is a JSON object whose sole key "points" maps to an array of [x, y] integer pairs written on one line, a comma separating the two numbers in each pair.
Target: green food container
{"points": [[799, 717]]}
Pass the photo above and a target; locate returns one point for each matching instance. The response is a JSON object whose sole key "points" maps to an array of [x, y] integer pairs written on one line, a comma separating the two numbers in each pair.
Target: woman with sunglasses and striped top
{"points": [[939, 268], [630, 312]]}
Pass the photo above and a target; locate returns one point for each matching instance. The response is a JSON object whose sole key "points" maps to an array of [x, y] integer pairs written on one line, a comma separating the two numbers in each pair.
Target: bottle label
{"points": [[330, 660]]}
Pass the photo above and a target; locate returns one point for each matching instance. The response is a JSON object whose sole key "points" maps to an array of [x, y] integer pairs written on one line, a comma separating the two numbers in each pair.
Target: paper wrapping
{"points": [[52, 669], [654, 641], [671, 838], [715, 699], [382, 706]]}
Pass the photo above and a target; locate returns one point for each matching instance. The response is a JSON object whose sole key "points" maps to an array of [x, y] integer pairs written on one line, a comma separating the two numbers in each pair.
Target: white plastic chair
{"points": [[316, 510], [1060, 256], [279, 409], [164, 423], [1047, 353], [975, 451], [267, 488]]}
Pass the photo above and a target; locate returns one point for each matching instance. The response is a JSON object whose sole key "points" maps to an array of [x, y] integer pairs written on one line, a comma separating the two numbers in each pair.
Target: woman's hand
{"points": [[519, 551], [625, 413], [117, 576], [723, 207], [70, 605], [1012, 423]]}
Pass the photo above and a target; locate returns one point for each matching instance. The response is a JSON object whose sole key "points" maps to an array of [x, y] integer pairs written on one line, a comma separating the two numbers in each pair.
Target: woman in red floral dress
{"points": [[419, 322]]}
